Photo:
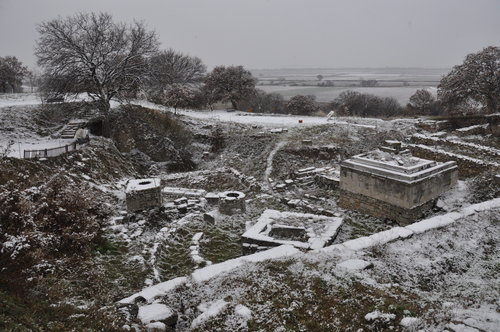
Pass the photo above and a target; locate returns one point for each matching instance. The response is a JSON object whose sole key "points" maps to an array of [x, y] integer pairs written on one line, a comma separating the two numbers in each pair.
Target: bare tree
{"points": [[229, 84], [178, 96], [477, 80], [91, 53], [170, 67], [422, 99], [12, 73]]}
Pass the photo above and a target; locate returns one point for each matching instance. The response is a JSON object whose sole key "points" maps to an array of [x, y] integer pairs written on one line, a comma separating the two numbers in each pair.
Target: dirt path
{"points": [[269, 163]]}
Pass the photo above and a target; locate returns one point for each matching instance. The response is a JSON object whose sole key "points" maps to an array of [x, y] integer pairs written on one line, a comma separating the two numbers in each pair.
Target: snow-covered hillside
{"points": [[183, 266]]}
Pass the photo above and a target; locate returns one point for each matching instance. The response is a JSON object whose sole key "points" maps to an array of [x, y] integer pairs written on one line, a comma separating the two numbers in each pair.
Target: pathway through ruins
{"points": [[269, 163]]}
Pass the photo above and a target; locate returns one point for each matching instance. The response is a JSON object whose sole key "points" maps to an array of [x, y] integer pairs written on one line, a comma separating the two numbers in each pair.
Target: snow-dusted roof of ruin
{"points": [[400, 167], [142, 184]]}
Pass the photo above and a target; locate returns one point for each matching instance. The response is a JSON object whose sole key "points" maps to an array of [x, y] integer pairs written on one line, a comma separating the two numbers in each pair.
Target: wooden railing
{"points": [[52, 152]]}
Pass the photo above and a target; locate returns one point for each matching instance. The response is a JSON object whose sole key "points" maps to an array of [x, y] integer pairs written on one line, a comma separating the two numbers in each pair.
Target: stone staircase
{"points": [[70, 130]]}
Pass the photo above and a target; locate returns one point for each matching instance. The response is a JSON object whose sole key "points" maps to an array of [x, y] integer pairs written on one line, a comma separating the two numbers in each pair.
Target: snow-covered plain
{"points": [[327, 94]]}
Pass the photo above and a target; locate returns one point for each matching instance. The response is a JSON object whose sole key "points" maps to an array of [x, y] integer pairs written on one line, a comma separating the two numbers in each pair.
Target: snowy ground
{"points": [[451, 271], [244, 117], [18, 147], [18, 99], [450, 286], [269, 120]]}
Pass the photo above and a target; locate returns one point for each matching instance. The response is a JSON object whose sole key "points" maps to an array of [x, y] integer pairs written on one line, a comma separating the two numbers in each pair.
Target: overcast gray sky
{"points": [[285, 33]]}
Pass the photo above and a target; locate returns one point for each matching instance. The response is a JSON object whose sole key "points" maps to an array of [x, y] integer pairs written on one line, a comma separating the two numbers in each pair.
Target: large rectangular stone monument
{"points": [[398, 187]]}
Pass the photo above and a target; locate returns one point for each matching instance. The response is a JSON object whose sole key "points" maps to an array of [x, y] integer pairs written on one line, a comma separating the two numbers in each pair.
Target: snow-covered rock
{"points": [[156, 326], [243, 311], [155, 291], [154, 312], [379, 316], [409, 321]]}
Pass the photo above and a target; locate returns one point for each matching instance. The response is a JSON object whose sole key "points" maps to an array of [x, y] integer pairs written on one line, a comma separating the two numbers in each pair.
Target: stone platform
{"points": [[398, 187]]}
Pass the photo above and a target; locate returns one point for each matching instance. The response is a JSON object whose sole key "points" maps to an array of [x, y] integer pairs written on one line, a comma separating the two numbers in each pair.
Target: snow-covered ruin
{"points": [[301, 230], [398, 187], [231, 202], [143, 193]]}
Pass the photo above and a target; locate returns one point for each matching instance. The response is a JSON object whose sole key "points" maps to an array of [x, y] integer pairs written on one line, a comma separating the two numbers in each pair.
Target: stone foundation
{"points": [[283, 232], [143, 193], [231, 202], [380, 209], [398, 187], [467, 167]]}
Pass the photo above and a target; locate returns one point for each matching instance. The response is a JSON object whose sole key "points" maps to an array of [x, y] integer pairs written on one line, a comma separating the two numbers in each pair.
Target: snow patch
{"points": [[209, 309], [211, 271], [380, 316], [243, 311], [154, 312], [409, 321], [354, 265]]}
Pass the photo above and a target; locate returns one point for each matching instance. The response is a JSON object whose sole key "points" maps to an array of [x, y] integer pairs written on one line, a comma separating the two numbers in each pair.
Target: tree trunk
{"points": [[104, 106], [491, 105], [234, 104]]}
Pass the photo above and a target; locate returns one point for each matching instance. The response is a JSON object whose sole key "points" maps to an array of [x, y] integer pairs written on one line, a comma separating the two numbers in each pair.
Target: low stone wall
{"points": [[380, 209], [434, 126], [467, 167], [464, 146], [325, 181], [325, 152], [456, 122]]}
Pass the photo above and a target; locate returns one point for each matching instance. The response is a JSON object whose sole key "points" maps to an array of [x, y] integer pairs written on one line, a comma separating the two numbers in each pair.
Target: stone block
{"points": [[232, 202], [143, 193]]}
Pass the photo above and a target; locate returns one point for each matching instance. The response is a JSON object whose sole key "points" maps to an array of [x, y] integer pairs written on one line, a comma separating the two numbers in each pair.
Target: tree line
{"points": [[93, 54]]}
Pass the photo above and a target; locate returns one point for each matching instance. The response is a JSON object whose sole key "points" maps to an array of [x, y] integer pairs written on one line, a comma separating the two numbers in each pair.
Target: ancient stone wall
{"points": [[397, 193], [141, 199], [463, 146], [466, 167], [380, 209]]}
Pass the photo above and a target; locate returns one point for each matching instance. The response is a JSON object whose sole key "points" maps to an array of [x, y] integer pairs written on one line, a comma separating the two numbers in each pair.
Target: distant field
{"points": [[399, 83], [354, 74], [325, 94]]}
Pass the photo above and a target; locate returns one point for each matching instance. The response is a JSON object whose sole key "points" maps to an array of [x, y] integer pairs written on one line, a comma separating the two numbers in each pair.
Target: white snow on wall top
{"points": [[142, 184]]}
